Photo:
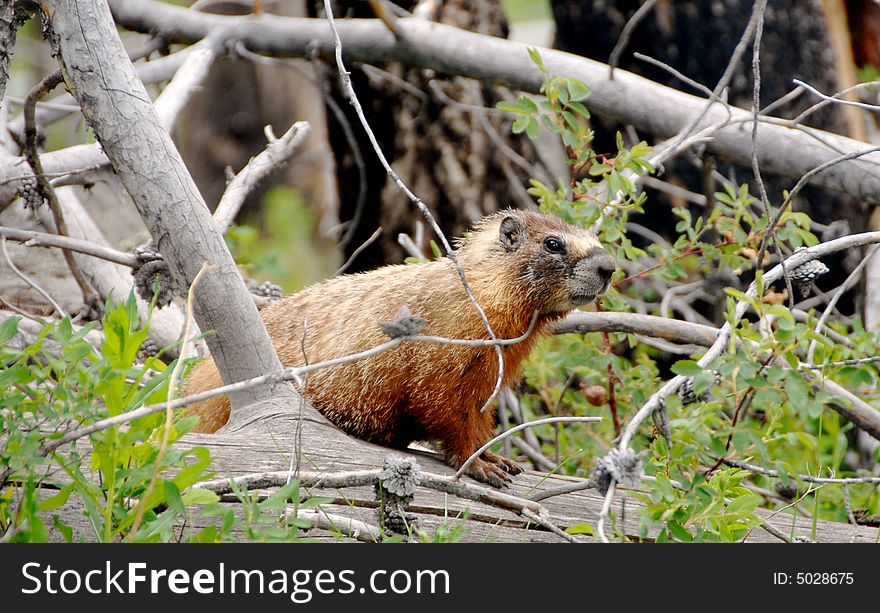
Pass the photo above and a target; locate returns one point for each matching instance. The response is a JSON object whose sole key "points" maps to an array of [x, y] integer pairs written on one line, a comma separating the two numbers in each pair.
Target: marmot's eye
{"points": [[554, 245]]}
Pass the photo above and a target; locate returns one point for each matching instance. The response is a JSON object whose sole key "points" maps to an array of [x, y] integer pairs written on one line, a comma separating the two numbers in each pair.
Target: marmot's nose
{"points": [[601, 264], [605, 266]]}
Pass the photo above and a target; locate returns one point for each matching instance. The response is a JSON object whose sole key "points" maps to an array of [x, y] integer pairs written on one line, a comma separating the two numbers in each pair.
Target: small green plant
{"points": [[61, 382]]}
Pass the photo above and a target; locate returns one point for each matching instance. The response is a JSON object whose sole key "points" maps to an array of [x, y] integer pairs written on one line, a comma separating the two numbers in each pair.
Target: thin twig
{"points": [[185, 351], [732, 66], [769, 472], [847, 503], [549, 526], [58, 310], [625, 35], [278, 152], [383, 12], [42, 239], [539, 460], [49, 82], [805, 179], [770, 234], [835, 99], [346, 82], [320, 85], [603, 513], [675, 73], [782, 100], [853, 362], [844, 287], [347, 526], [531, 424], [358, 251]]}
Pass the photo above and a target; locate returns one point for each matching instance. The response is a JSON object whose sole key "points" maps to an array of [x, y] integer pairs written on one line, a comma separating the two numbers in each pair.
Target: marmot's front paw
{"points": [[493, 469], [506, 464], [489, 472]]}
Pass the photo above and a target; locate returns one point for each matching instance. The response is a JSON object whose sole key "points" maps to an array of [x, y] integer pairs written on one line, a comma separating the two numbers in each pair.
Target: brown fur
{"points": [[425, 391]]}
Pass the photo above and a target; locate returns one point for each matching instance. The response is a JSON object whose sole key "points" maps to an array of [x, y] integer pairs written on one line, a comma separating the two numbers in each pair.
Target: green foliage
{"points": [[62, 382], [450, 531], [761, 412]]}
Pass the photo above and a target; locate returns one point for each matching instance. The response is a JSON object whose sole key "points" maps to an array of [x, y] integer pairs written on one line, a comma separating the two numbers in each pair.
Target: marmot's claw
{"points": [[494, 469], [490, 473], [506, 464]]}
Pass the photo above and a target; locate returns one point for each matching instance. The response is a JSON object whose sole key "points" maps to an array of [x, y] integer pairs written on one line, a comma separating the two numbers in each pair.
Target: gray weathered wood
{"points": [[628, 98], [99, 74], [264, 441]]}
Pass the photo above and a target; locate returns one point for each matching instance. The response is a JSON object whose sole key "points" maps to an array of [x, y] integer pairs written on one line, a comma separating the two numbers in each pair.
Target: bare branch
{"points": [[352, 96], [41, 239], [58, 310], [277, 153], [835, 99], [97, 70], [531, 424], [186, 82], [46, 190], [647, 106], [844, 287], [626, 33], [769, 472]]}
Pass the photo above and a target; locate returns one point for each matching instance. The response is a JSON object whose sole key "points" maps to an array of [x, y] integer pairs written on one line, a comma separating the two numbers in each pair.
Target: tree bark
{"points": [[10, 20]]}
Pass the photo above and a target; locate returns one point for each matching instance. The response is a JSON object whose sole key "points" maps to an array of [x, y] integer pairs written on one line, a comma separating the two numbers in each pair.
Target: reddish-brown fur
{"points": [[424, 391]]}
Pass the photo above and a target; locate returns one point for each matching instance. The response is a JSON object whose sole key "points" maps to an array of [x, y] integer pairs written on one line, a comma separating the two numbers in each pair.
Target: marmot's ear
{"points": [[512, 232]]}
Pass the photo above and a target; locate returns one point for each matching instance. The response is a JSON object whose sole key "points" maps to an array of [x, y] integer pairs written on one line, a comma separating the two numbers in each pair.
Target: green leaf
{"points": [[582, 528], [520, 125], [195, 471], [678, 531], [797, 388], [8, 329], [58, 500], [510, 107], [65, 530], [686, 368], [536, 58], [548, 123], [279, 499], [783, 474], [532, 127], [528, 104], [208, 534], [315, 501], [172, 498], [571, 121], [577, 90], [743, 504], [199, 496], [580, 109]]}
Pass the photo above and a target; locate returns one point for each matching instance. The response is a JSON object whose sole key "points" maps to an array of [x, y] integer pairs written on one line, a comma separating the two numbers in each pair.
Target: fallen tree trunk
{"points": [[263, 440]]}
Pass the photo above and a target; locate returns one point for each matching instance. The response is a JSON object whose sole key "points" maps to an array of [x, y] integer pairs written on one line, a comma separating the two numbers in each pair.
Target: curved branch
{"points": [[647, 106]]}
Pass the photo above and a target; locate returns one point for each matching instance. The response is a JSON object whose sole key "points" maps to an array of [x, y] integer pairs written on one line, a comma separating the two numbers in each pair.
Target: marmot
{"points": [[516, 263]]}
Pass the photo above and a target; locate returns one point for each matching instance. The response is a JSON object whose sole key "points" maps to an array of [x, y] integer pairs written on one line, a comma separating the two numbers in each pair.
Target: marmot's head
{"points": [[553, 266]]}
